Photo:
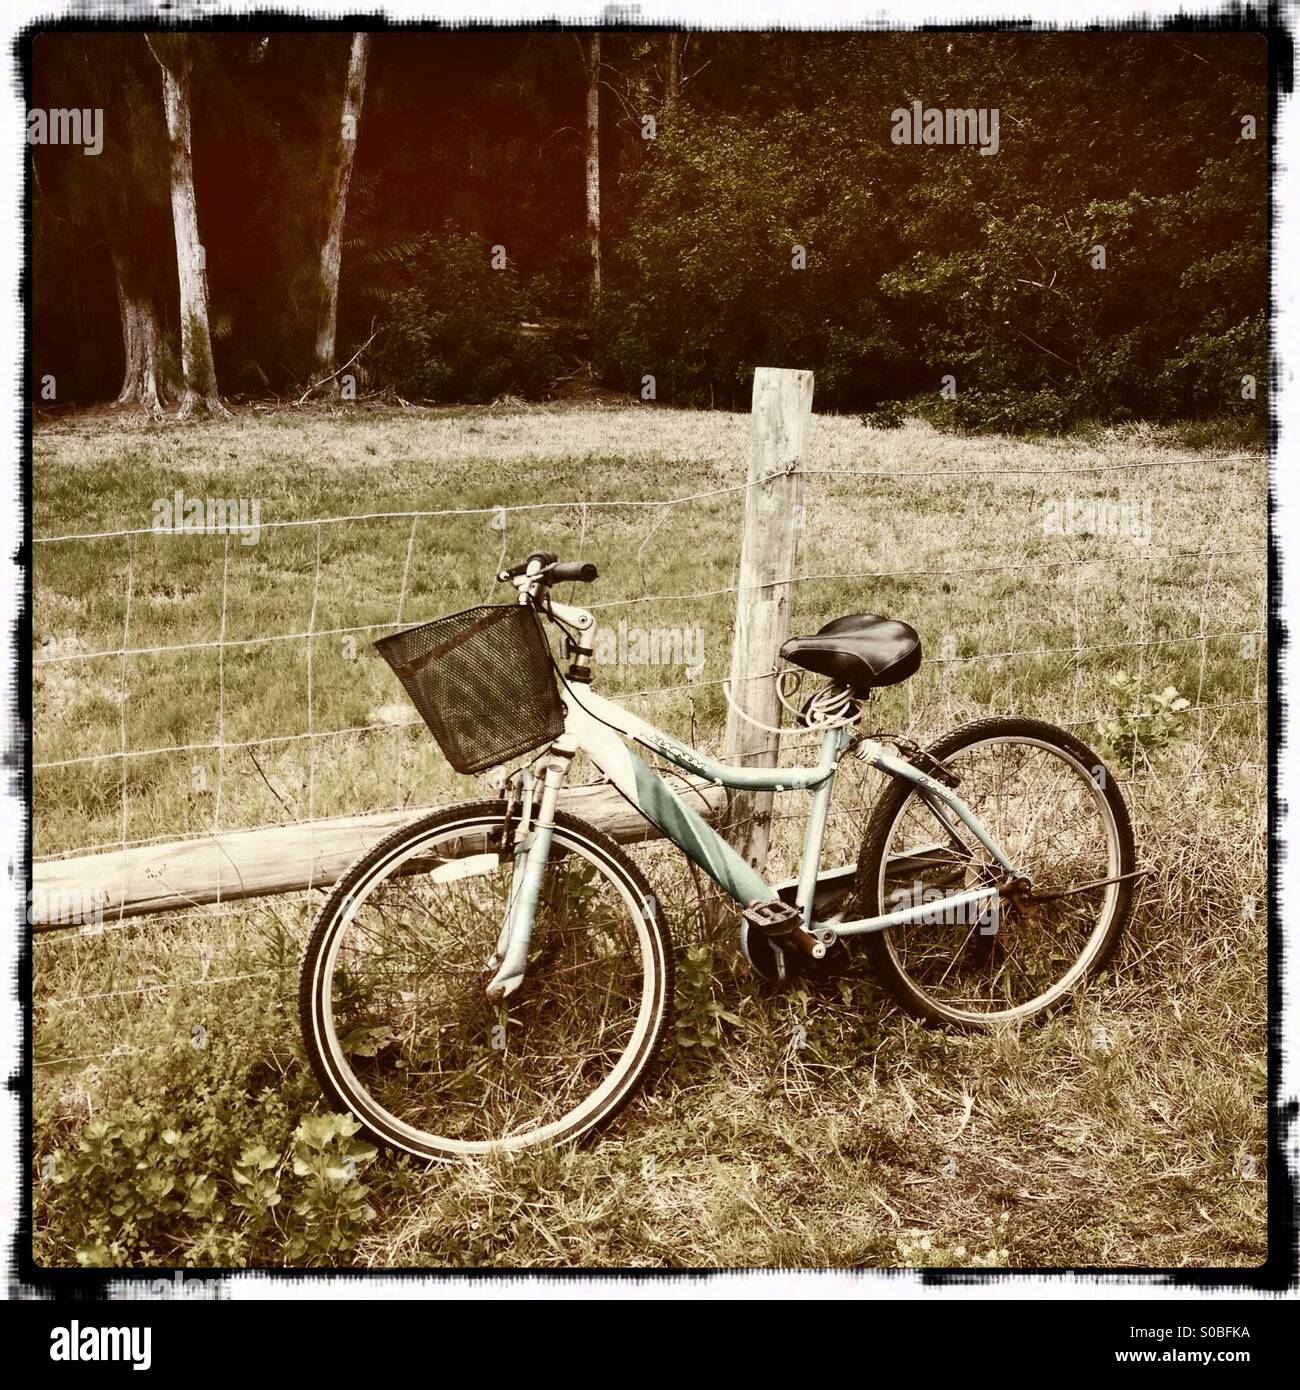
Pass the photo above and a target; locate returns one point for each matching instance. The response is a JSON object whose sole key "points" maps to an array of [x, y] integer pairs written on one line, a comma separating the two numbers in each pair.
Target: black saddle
{"points": [[860, 651]]}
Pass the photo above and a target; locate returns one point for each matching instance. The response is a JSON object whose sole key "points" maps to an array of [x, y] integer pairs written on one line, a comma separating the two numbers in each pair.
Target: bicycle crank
{"points": [[774, 942]]}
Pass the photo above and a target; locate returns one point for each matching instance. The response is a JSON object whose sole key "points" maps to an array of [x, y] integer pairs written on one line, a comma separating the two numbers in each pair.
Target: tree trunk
{"points": [[331, 252], [673, 68], [200, 390], [141, 341], [593, 164]]}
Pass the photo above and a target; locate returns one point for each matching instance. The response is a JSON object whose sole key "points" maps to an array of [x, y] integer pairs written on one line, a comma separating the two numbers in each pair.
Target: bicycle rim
{"points": [[406, 1032], [1062, 830]]}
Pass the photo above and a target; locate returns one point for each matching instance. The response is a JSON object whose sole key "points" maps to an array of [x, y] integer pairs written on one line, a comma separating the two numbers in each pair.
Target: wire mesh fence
{"points": [[1029, 598]]}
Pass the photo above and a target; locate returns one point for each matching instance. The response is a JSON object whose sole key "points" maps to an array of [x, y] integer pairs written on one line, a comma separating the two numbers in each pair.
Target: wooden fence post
{"points": [[782, 407]]}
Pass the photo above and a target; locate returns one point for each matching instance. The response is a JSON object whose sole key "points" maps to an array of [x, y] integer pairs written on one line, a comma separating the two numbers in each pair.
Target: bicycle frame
{"points": [[598, 727]]}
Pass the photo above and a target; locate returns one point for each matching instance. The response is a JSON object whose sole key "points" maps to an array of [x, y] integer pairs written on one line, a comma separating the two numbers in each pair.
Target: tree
{"points": [[112, 201], [593, 163], [143, 382], [331, 250], [673, 67], [176, 60], [1114, 264]]}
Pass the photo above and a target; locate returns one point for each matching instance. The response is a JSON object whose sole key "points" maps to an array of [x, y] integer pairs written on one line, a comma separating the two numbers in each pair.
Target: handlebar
{"points": [[552, 570]]}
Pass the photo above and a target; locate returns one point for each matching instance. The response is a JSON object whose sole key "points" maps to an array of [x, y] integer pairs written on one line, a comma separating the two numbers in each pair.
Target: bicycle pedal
{"points": [[774, 917]]}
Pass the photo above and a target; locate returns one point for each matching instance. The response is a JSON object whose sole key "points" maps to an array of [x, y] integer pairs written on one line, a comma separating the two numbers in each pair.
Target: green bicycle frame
{"points": [[598, 727]]}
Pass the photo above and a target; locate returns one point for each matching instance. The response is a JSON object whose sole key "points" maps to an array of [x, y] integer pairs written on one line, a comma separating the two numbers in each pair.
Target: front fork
{"points": [[532, 850]]}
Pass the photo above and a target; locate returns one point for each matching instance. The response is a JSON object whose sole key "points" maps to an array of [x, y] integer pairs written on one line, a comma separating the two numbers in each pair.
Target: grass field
{"points": [[1126, 1131]]}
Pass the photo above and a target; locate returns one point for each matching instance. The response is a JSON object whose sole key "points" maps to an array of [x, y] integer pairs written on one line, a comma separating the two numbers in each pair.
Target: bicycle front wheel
{"points": [[393, 1002], [1056, 812]]}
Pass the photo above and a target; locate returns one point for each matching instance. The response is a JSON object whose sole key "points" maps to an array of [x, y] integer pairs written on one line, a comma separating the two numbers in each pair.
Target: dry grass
{"points": [[1126, 1131]]}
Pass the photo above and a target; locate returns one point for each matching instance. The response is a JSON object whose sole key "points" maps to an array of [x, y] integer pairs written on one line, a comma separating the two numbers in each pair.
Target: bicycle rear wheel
{"points": [[393, 1002], [1055, 811]]}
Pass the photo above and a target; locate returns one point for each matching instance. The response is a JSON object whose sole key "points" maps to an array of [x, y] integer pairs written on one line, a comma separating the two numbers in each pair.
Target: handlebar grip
{"points": [[578, 571], [543, 557]]}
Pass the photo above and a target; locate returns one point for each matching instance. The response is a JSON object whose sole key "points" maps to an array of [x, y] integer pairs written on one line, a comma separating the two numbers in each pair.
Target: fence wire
{"points": [[125, 935]]}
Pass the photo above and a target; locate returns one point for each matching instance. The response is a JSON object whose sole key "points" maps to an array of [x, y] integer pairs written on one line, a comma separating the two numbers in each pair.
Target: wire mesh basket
{"points": [[483, 682]]}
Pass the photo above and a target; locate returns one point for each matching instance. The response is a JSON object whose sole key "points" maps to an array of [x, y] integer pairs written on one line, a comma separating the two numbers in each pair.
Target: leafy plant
{"points": [[257, 1185], [1144, 724], [921, 1251], [449, 326], [888, 415], [331, 1208], [189, 1160], [699, 1017], [1012, 411]]}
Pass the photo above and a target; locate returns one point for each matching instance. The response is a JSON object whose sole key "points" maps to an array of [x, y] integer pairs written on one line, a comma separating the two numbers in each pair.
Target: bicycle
{"points": [[499, 974]]}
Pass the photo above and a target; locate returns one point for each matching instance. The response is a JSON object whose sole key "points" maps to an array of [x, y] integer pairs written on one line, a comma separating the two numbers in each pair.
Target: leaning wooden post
{"points": [[781, 409]]}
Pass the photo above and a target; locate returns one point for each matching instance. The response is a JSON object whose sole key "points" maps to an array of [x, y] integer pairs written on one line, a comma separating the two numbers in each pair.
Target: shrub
{"points": [[1128, 286], [449, 327], [1144, 724], [704, 282], [889, 415], [1041, 411], [190, 1160], [699, 1016]]}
